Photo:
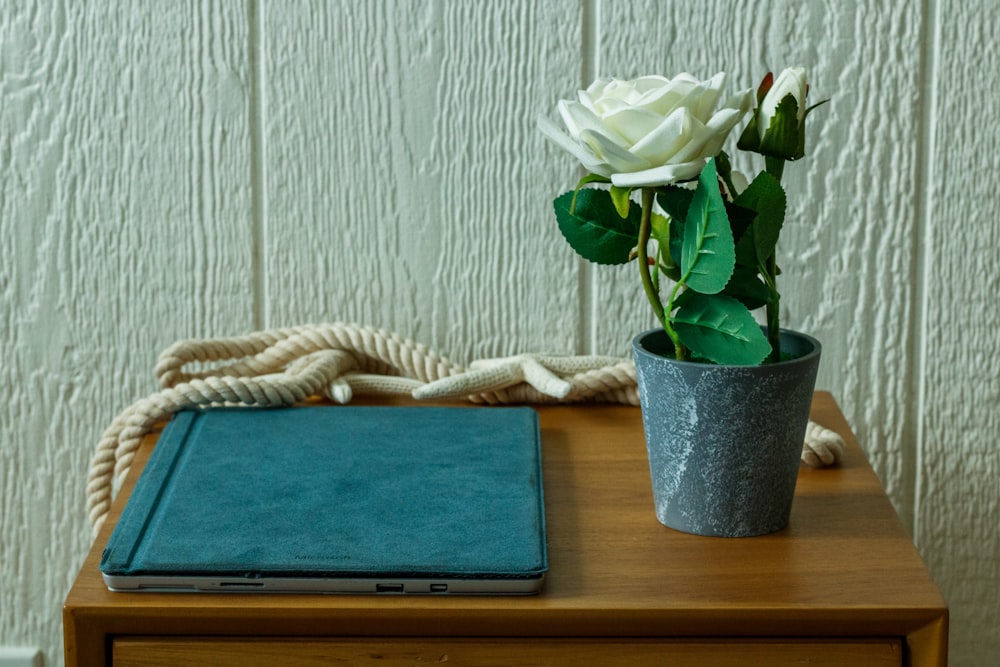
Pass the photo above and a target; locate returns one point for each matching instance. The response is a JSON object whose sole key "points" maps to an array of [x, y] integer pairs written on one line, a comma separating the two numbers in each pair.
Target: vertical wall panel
{"points": [[406, 186], [958, 514], [848, 247], [124, 219]]}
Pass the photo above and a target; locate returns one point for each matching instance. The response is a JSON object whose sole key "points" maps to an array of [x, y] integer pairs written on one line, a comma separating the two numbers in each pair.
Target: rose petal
{"points": [[706, 140], [668, 173], [701, 99], [615, 89], [592, 93], [742, 100], [712, 92], [721, 124], [632, 123], [666, 99], [661, 144], [579, 118], [589, 161], [617, 158], [651, 82], [596, 88], [611, 105]]}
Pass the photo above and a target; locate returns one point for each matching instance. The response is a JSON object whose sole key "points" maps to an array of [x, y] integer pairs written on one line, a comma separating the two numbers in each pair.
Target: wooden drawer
{"points": [[493, 652]]}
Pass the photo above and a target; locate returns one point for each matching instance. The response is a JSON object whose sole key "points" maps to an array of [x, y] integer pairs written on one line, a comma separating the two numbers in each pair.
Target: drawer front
{"points": [[493, 652]]}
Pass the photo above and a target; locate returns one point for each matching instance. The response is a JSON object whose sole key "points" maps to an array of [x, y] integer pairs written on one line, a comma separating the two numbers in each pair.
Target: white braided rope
{"points": [[286, 366]]}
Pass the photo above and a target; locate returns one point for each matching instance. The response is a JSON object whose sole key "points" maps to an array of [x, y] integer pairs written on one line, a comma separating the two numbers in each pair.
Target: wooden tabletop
{"points": [[844, 566]]}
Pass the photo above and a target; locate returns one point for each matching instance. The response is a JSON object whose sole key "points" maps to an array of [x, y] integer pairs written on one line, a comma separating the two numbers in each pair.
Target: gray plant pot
{"points": [[724, 442]]}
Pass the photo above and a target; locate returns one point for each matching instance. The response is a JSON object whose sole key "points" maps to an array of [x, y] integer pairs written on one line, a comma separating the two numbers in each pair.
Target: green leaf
{"points": [[666, 264], [594, 229], [765, 196], [740, 219], [620, 197], [660, 228], [746, 252], [747, 287], [720, 329], [675, 201], [750, 139], [724, 167], [663, 233], [708, 253]]}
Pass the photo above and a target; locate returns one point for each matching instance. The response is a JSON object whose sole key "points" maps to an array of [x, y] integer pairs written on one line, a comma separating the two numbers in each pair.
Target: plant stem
{"points": [[652, 294], [775, 167], [645, 228], [773, 311], [680, 352]]}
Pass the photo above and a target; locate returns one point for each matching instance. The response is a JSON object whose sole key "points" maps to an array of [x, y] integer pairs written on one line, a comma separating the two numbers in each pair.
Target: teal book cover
{"points": [[338, 491]]}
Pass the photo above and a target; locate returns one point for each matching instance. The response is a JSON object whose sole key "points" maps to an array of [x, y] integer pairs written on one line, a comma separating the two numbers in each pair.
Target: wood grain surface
{"points": [[393, 652], [843, 568]]}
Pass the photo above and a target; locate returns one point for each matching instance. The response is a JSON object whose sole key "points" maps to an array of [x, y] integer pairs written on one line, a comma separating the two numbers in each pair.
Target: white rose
{"points": [[648, 131]]}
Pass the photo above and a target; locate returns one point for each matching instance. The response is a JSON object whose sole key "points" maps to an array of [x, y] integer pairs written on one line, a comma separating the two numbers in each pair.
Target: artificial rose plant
{"points": [[717, 234]]}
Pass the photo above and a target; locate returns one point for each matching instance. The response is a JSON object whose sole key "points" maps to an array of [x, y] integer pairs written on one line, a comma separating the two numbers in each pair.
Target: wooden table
{"points": [[842, 584]]}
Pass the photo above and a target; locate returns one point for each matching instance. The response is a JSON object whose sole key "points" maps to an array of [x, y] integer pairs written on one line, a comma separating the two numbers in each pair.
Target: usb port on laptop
{"points": [[388, 588]]}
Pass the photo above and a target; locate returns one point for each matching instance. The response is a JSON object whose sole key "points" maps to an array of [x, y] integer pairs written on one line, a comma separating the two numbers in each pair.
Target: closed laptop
{"points": [[337, 499]]}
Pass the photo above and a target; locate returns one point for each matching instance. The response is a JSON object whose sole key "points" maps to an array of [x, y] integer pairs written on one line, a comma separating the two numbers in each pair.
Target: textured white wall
{"points": [[958, 463], [206, 168]]}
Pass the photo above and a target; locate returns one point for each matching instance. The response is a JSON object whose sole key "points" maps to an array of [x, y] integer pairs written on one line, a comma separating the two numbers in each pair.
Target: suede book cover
{"points": [[338, 491]]}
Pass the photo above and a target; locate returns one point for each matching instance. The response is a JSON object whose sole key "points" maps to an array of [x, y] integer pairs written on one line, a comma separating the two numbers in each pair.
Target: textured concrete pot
{"points": [[724, 442]]}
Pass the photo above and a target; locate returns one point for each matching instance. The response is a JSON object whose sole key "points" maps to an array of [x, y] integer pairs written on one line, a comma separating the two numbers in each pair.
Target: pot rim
{"points": [[639, 348]]}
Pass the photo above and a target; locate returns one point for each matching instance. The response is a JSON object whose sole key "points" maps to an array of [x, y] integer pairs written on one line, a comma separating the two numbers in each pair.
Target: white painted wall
{"points": [[207, 168]]}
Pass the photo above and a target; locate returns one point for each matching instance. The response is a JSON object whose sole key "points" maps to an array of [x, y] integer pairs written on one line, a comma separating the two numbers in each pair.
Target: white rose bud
{"points": [[648, 131], [777, 128], [791, 81]]}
